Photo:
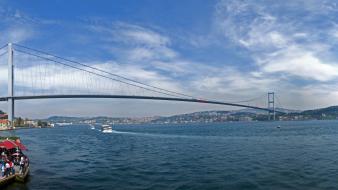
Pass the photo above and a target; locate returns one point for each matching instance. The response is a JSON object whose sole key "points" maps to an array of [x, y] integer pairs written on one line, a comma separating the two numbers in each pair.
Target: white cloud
{"points": [[138, 54], [16, 27], [278, 44], [289, 51], [18, 34], [143, 36], [136, 43], [298, 62]]}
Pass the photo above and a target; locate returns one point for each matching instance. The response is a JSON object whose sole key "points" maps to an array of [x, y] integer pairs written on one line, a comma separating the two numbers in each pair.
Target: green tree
{"points": [[19, 122]]}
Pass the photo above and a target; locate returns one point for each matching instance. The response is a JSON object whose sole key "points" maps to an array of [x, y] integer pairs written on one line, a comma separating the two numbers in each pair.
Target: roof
{"points": [[3, 121], [8, 144], [3, 115]]}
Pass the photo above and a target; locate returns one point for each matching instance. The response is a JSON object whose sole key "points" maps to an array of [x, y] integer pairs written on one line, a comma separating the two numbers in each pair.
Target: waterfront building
{"points": [[3, 124], [31, 123]]}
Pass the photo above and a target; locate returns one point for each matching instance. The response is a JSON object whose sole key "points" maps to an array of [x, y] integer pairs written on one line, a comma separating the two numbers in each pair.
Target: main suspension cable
{"points": [[97, 74], [97, 69]]}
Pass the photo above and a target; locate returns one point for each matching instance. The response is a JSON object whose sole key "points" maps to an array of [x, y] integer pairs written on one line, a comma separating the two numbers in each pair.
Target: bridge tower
{"points": [[10, 86], [271, 105]]}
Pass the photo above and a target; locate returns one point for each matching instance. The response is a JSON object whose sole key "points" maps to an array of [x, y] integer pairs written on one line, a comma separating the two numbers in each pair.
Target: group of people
{"points": [[7, 168], [9, 163]]}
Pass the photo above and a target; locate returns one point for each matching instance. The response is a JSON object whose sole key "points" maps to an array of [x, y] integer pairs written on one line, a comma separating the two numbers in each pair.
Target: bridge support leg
{"points": [[271, 105], [10, 86], [10, 113]]}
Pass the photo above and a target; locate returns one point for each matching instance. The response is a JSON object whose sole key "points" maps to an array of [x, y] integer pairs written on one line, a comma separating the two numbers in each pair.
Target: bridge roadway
{"points": [[78, 96]]}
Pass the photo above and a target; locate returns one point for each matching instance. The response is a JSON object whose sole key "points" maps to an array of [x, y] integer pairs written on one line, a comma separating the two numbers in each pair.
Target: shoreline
{"points": [[19, 128]]}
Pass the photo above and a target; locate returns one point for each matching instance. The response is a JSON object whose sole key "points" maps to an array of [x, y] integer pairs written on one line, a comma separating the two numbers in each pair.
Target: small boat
{"points": [[92, 127], [107, 129], [13, 148]]}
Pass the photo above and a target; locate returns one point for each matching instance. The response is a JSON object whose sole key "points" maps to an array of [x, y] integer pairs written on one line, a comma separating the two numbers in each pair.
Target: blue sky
{"points": [[219, 49]]}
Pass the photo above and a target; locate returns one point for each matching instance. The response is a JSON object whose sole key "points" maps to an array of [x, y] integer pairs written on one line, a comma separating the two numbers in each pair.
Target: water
{"points": [[256, 155]]}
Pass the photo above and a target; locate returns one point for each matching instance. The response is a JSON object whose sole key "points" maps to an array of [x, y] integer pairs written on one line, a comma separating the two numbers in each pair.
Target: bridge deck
{"points": [[133, 97]]}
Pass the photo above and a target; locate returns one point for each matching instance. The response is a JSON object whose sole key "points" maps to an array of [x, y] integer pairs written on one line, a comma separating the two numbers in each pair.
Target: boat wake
{"points": [[196, 137], [129, 133], [156, 135]]}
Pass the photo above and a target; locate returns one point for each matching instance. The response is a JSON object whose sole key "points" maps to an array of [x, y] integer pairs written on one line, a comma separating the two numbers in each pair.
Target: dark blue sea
{"points": [[252, 155]]}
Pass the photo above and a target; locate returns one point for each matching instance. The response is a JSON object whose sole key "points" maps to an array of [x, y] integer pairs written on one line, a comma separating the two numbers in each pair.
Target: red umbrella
{"points": [[8, 144], [20, 145]]}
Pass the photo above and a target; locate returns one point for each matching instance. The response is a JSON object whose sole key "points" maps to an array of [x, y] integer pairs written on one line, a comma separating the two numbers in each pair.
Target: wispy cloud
{"points": [[136, 43], [300, 62], [279, 44]]}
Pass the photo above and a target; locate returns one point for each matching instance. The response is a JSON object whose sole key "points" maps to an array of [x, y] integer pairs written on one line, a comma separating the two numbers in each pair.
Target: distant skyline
{"points": [[227, 50]]}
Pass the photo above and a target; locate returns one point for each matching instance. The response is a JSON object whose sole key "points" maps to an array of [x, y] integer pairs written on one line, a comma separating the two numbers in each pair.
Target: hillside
{"points": [[322, 113], [208, 117]]}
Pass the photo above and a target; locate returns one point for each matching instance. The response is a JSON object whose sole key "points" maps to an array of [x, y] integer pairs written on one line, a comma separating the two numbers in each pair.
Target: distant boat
{"points": [[92, 127], [278, 126], [107, 129], [64, 124]]}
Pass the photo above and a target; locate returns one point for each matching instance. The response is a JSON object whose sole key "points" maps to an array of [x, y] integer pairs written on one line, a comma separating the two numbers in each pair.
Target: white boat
{"points": [[107, 129], [92, 127]]}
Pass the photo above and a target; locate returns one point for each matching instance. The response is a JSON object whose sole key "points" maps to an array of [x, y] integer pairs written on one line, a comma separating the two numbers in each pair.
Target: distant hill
{"points": [[250, 110], [247, 114], [208, 117], [322, 113], [333, 110], [64, 119]]}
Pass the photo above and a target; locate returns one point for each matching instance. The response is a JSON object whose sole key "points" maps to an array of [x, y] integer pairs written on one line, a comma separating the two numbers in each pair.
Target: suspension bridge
{"points": [[35, 74]]}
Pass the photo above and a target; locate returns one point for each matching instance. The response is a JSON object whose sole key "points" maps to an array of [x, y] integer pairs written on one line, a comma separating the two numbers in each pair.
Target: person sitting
{"points": [[27, 161], [16, 161], [2, 169], [7, 169], [22, 164], [12, 170]]}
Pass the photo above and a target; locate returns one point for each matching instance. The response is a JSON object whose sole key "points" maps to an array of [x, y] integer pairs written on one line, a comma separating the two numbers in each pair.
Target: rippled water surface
{"points": [[298, 155]]}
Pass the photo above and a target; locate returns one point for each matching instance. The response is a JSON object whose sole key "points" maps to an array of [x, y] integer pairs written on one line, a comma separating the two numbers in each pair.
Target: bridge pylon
{"points": [[271, 106], [10, 87]]}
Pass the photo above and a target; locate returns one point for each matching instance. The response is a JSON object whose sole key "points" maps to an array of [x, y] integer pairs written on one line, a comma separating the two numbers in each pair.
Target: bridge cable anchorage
{"points": [[97, 74], [97, 69]]}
